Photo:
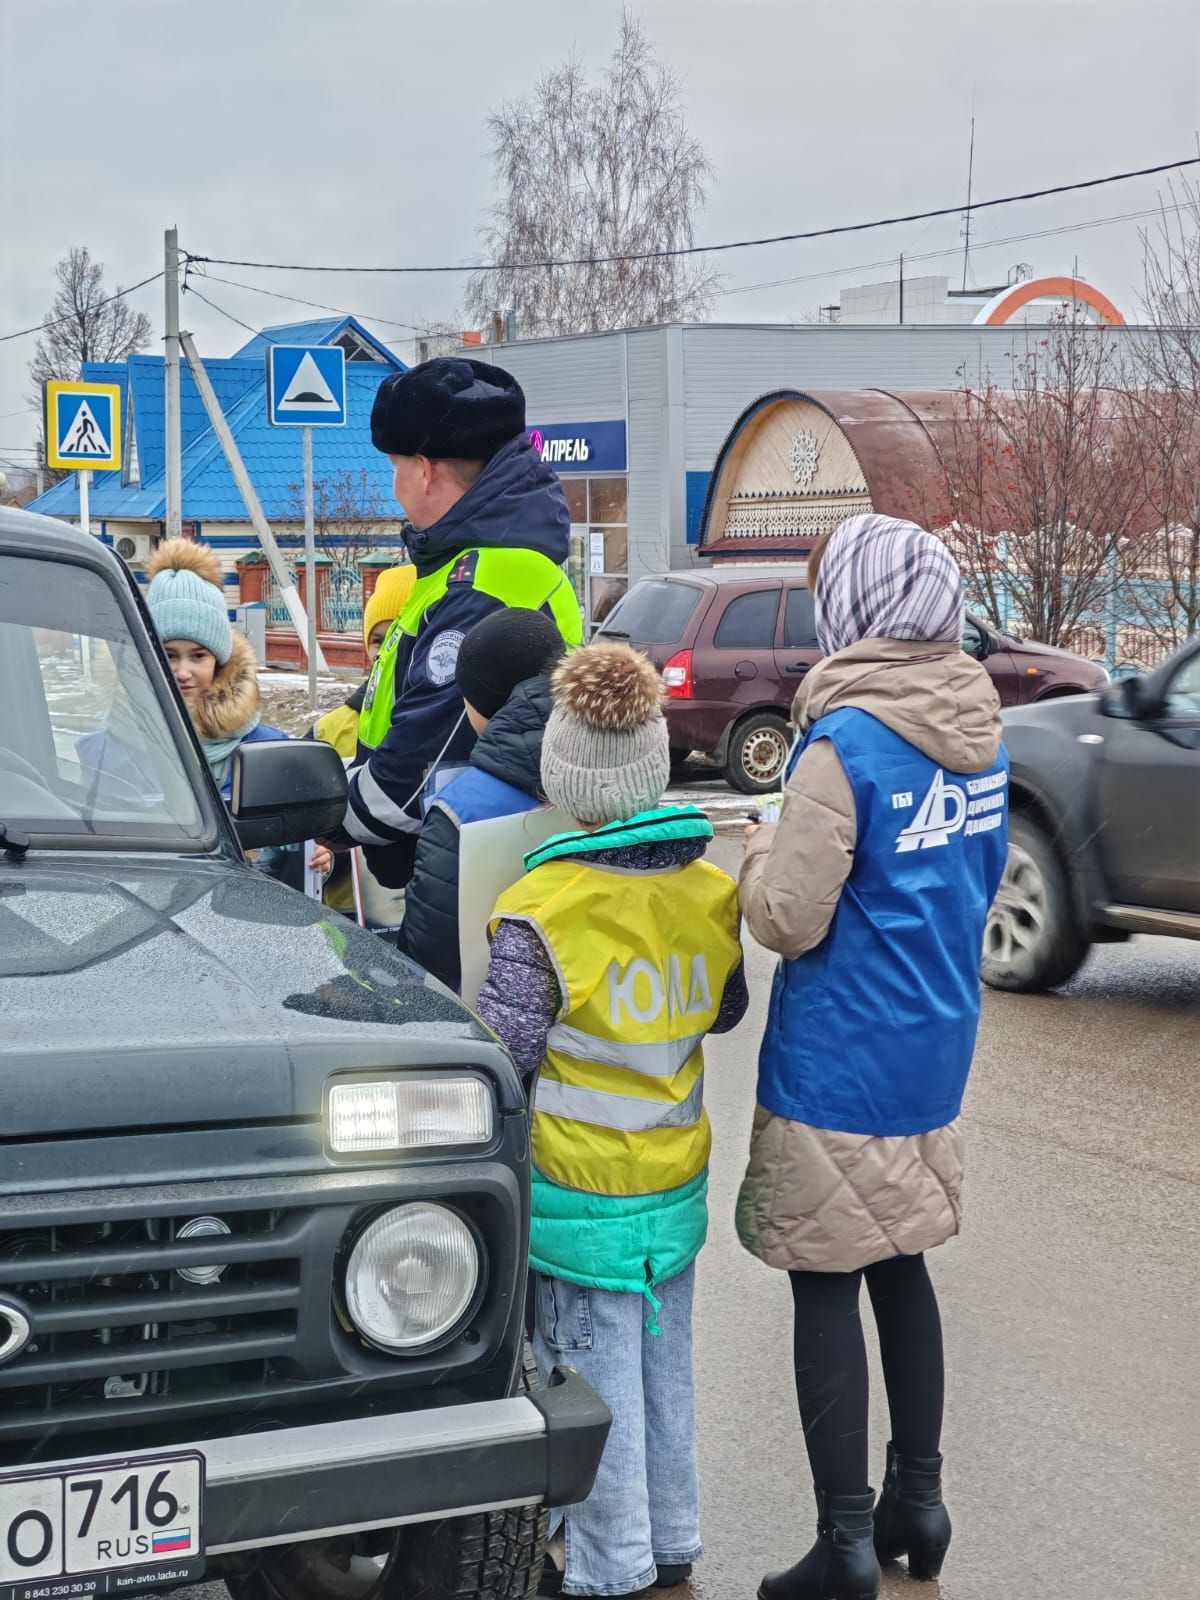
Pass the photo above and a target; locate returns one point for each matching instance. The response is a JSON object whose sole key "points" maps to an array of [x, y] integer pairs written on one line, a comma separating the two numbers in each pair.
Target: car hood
{"points": [[1050, 652], [141, 992]]}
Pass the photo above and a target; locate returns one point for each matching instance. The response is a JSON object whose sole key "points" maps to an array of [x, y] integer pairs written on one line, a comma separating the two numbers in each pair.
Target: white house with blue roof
{"points": [[128, 509]]}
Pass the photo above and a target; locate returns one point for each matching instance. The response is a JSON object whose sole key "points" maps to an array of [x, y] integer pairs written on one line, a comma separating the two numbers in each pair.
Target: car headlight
{"points": [[408, 1113], [412, 1276]]}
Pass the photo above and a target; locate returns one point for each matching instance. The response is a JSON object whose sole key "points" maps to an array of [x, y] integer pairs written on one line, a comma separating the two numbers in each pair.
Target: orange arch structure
{"points": [[1009, 301]]}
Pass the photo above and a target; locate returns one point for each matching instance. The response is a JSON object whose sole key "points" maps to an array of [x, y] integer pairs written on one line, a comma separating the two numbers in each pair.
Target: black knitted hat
{"points": [[450, 409], [502, 651]]}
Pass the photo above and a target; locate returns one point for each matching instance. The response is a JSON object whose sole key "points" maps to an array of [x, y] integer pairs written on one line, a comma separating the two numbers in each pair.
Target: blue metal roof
{"points": [[272, 455], [324, 330]]}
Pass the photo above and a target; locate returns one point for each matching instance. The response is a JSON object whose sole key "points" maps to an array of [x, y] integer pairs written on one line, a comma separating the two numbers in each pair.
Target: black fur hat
{"points": [[449, 408]]}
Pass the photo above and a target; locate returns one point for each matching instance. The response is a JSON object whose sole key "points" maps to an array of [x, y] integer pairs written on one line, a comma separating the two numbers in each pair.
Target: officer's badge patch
{"points": [[443, 656]]}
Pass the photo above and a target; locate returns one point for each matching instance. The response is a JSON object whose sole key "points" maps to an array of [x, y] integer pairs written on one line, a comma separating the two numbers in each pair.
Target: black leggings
{"points": [[831, 1366]]}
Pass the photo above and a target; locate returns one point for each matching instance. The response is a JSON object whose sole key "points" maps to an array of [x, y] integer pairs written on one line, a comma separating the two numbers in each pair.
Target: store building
{"points": [[635, 421]]}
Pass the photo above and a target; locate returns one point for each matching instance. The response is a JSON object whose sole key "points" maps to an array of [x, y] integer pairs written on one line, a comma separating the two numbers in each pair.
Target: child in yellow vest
{"points": [[340, 728], [610, 961]]}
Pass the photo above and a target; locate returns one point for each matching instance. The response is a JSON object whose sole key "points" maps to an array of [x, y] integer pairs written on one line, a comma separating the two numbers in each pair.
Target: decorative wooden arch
{"points": [[1003, 306]]}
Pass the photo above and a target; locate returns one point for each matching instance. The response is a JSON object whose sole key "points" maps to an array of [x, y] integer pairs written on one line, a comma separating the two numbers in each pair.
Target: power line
{"points": [[55, 322], [257, 332], [319, 305], [713, 249], [952, 250]]}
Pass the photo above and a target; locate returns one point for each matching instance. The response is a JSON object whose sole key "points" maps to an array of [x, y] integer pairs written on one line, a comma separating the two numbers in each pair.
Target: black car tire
{"points": [[758, 748], [1032, 940], [493, 1555]]}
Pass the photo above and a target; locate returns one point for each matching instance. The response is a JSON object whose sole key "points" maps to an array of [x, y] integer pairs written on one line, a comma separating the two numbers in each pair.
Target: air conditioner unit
{"points": [[135, 548]]}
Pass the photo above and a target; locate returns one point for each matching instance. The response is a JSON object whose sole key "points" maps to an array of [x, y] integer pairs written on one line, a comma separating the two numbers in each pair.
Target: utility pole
{"points": [[901, 286], [171, 378], [311, 598]]}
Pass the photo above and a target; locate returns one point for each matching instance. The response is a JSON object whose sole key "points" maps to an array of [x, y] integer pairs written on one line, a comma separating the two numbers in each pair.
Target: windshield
{"points": [[86, 748]]}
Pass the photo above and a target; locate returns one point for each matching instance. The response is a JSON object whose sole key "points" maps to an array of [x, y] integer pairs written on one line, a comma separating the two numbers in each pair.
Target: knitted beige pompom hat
{"points": [[605, 754]]}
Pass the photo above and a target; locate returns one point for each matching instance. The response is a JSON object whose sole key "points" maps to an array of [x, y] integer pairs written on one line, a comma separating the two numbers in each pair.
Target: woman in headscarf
{"points": [[873, 887]]}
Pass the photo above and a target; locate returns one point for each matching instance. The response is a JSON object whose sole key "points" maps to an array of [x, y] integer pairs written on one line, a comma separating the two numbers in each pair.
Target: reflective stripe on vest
{"points": [[655, 1060], [621, 1111], [523, 578], [642, 960]]}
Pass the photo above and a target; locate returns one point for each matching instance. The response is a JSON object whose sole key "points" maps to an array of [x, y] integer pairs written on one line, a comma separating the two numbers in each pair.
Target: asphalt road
{"points": [[1070, 1305]]}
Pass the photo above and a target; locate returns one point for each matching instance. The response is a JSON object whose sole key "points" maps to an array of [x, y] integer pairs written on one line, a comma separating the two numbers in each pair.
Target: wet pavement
{"points": [[1070, 1305]]}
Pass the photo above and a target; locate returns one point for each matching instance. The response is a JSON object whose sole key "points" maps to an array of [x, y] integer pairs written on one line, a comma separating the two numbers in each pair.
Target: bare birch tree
{"points": [[585, 171], [84, 327], [1044, 482]]}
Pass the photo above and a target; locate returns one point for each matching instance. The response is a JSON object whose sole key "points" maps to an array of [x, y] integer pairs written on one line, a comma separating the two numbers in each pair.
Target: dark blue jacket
{"points": [[873, 1031], [503, 778], [516, 502]]}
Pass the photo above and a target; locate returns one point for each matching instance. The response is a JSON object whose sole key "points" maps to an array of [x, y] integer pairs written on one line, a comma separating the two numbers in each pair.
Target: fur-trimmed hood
{"points": [[233, 702]]}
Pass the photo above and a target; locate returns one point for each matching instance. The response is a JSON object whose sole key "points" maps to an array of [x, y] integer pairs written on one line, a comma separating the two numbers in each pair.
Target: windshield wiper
{"points": [[16, 844], [613, 633]]}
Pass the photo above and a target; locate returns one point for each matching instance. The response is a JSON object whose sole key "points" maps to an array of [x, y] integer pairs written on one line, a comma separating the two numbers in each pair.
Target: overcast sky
{"points": [[304, 130]]}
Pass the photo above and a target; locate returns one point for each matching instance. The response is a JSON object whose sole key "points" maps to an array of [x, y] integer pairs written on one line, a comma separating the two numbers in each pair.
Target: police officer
{"points": [[489, 527]]}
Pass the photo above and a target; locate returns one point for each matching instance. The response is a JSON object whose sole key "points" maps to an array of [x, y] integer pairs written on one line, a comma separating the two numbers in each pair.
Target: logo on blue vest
{"points": [[946, 809]]}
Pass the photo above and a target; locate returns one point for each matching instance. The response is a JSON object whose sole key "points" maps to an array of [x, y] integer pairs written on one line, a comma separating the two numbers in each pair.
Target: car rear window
{"points": [[749, 621], [799, 621], [655, 611]]}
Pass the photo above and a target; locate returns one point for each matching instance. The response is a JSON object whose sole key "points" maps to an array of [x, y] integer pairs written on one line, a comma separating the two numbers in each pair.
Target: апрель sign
{"points": [[581, 446]]}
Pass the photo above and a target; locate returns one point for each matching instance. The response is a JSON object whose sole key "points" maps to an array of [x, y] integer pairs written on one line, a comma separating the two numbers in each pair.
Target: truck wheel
{"points": [[1031, 941], [493, 1555], [758, 749]]}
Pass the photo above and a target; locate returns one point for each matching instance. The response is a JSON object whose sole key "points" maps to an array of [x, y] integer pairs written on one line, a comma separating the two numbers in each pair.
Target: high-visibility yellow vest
{"points": [[523, 578], [643, 959]]}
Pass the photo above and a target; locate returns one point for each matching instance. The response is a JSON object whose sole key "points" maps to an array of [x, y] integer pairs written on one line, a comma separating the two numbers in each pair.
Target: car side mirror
{"points": [[1125, 698], [286, 790]]}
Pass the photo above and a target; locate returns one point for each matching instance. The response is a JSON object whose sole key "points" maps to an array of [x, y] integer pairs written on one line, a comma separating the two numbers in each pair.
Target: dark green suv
{"points": [[263, 1242]]}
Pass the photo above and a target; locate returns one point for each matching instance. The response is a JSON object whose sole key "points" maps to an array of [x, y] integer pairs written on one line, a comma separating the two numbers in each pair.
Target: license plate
{"points": [[105, 1529]]}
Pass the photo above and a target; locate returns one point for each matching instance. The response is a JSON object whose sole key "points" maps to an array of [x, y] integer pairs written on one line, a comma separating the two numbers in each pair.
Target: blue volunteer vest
{"points": [[873, 1031]]}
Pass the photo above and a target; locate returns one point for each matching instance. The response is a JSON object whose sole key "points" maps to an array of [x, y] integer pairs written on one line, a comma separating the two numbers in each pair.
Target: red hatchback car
{"points": [[733, 642]]}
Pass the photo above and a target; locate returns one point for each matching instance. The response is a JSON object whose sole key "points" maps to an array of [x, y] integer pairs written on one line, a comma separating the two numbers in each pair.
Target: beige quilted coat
{"points": [[816, 1200]]}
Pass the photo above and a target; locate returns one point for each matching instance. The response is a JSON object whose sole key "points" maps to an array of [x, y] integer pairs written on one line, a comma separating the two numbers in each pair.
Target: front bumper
{"points": [[332, 1478]]}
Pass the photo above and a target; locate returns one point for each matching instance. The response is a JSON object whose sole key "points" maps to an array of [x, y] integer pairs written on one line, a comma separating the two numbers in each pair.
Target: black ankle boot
{"points": [[910, 1519], [841, 1565]]}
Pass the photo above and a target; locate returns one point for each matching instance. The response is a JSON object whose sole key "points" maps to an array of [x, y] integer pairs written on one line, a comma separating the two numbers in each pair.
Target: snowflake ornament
{"points": [[805, 455]]}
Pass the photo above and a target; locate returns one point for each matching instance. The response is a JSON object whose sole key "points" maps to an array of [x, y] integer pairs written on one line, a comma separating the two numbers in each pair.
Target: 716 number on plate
{"points": [[94, 1521]]}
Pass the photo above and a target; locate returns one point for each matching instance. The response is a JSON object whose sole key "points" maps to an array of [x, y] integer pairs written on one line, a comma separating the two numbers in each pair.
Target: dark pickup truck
{"points": [[1104, 831], [263, 1240]]}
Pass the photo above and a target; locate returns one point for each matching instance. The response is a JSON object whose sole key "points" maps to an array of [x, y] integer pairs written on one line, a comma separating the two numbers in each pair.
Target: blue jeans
{"points": [[645, 1506]]}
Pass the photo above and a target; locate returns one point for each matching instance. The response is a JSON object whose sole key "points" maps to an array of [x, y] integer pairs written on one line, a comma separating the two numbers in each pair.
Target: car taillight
{"points": [[677, 676]]}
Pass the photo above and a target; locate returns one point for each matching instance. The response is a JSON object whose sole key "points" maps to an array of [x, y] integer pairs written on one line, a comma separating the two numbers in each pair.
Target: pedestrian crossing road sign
{"points": [[306, 385], [83, 425]]}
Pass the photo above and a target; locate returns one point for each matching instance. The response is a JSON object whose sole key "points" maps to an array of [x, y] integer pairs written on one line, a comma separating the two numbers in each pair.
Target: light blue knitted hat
{"points": [[186, 597]]}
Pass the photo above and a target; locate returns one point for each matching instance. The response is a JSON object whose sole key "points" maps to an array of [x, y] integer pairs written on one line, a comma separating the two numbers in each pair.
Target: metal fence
{"points": [[341, 600]]}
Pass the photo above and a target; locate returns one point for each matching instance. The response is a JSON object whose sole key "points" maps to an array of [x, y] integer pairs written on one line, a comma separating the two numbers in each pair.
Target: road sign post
{"points": [[312, 600], [306, 388], [85, 514]]}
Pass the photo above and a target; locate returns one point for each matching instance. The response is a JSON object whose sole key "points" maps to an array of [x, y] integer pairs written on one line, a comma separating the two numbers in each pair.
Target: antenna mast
{"points": [[967, 228]]}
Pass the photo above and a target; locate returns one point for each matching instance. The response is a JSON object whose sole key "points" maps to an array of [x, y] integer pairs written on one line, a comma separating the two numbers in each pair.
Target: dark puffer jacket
{"points": [[508, 755]]}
